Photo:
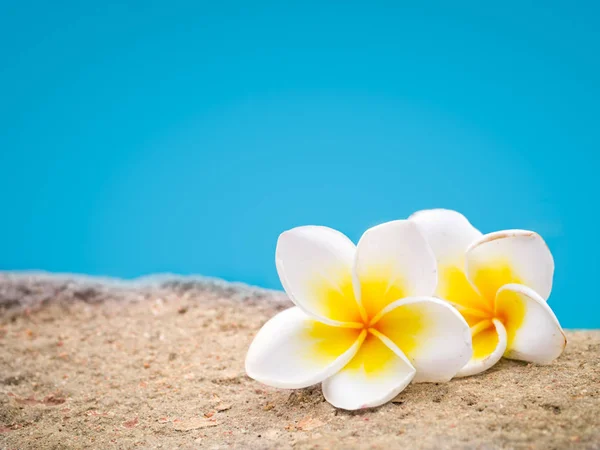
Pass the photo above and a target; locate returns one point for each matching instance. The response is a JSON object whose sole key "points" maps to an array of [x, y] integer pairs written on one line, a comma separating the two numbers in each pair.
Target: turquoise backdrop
{"points": [[142, 137]]}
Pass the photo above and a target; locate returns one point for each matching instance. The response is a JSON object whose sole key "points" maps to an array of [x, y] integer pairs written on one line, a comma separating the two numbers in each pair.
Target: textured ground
{"points": [[86, 364]]}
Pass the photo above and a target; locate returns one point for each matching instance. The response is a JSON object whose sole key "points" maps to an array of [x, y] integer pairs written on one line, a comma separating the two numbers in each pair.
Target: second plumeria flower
{"points": [[365, 322], [500, 283]]}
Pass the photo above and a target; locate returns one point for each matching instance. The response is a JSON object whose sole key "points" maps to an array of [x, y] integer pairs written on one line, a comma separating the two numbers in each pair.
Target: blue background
{"points": [[184, 137]]}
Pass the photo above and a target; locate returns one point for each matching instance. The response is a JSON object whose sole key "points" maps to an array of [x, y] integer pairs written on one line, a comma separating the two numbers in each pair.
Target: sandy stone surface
{"points": [[160, 364]]}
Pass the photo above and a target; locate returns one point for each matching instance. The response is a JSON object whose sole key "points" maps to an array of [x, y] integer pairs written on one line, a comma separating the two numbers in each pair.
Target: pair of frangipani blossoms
{"points": [[424, 299]]}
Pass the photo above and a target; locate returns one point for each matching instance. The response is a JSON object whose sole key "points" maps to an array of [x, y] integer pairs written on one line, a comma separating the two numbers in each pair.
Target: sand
{"points": [[160, 364]]}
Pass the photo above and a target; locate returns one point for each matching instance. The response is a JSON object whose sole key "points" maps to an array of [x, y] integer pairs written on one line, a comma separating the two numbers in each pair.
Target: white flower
{"points": [[500, 283], [364, 323]]}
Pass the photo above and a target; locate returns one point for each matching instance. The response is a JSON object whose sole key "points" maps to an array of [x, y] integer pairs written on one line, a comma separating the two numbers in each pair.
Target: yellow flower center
{"points": [[365, 319], [479, 306]]}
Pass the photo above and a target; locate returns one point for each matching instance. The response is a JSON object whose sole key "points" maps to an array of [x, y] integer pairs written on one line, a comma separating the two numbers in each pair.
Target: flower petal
{"points": [[489, 344], [455, 287], [450, 234], [533, 331], [292, 350], [315, 268], [393, 261], [431, 333], [512, 256], [377, 374]]}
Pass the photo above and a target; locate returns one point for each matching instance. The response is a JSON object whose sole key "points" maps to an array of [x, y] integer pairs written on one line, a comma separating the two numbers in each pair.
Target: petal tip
{"points": [[504, 234]]}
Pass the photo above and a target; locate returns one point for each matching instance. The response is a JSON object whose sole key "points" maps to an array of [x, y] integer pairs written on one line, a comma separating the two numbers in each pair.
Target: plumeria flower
{"points": [[365, 322], [500, 283]]}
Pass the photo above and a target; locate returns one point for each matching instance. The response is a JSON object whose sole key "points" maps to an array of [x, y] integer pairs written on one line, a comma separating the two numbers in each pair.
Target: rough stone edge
{"points": [[28, 290]]}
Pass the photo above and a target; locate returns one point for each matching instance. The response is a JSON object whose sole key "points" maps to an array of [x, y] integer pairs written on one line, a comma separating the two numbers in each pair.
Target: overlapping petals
{"points": [[499, 282], [450, 234], [293, 350], [533, 331], [512, 256], [393, 261], [365, 323], [432, 336], [489, 345]]}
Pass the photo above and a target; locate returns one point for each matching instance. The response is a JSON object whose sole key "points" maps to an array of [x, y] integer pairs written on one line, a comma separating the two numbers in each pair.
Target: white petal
{"points": [[512, 256], [377, 374], [534, 333], [488, 347], [448, 232], [431, 333], [393, 261], [292, 350], [315, 268]]}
